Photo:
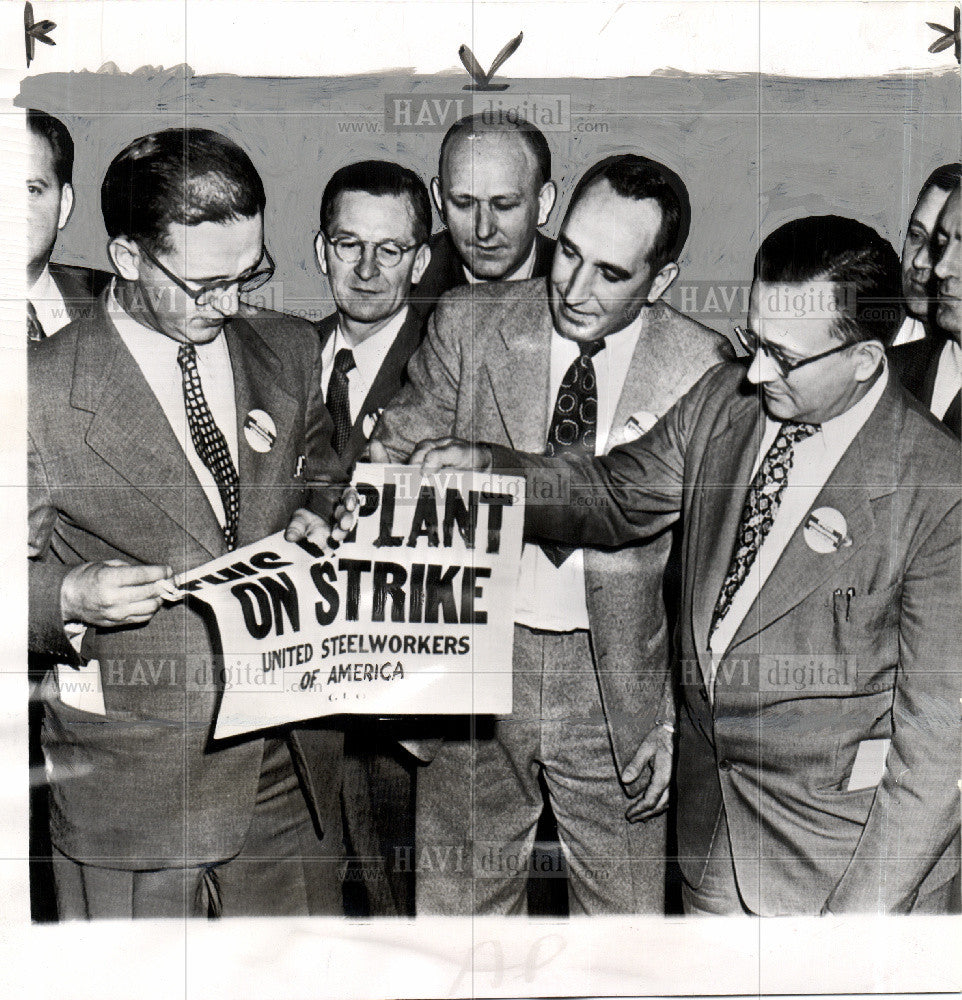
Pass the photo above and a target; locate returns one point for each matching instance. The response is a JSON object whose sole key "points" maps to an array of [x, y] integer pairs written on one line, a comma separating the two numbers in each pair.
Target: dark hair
{"points": [[945, 178], [380, 177], [861, 264], [55, 133], [485, 121], [638, 177], [180, 175]]}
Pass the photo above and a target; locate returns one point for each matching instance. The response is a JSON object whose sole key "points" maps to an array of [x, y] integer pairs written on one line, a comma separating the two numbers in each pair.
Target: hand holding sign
{"points": [[114, 592], [450, 454]]}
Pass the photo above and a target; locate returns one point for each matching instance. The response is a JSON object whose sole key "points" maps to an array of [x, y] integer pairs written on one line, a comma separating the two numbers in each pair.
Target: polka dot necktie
{"points": [[574, 423], [758, 514], [35, 330], [339, 399], [209, 443]]}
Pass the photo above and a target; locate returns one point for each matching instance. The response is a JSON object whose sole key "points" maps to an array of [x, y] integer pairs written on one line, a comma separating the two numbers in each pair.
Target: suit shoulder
{"points": [[492, 293], [700, 343]]}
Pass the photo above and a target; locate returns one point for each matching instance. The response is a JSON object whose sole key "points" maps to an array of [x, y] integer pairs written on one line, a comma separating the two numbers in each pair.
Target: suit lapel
{"points": [[721, 489], [256, 387], [865, 471], [520, 375], [130, 431]]}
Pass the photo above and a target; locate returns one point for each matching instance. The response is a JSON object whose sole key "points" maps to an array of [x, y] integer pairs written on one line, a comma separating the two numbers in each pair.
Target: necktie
{"points": [[209, 443], [758, 514], [953, 415], [574, 423], [35, 330], [338, 398]]}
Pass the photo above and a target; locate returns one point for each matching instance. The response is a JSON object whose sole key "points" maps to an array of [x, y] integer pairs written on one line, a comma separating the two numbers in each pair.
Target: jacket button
{"points": [[724, 765]]}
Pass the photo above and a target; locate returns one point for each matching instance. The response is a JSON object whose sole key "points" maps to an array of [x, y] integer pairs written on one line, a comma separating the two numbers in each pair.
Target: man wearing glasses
{"points": [[375, 223], [171, 426], [821, 624]]}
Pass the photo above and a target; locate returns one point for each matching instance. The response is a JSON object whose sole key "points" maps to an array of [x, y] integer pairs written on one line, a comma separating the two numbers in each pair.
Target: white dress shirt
{"points": [[948, 378], [553, 597], [815, 460], [369, 355], [522, 274], [912, 329], [48, 302], [156, 356]]}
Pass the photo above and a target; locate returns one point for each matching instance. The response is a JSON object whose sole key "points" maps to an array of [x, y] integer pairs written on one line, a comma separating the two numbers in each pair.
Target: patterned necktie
{"points": [[338, 398], [35, 330], [209, 443], [758, 514], [574, 423]]}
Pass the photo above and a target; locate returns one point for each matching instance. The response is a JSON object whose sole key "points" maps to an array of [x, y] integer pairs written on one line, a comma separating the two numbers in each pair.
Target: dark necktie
{"points": [[952, 416], [35, 330], [209, 443], [338, 399], [758, 514], [574, 423]]}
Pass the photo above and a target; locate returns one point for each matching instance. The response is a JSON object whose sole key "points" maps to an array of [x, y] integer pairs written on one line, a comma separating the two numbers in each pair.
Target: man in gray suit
{"points": [[169, 427], [576, 364], [821, 620]]}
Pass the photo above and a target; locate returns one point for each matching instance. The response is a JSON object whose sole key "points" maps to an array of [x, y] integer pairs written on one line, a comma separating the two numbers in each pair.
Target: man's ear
{"points": [[66, 205], [868, 357], [437, 196], [546, 200], [662, 281], [421, 260], [319, 244], [125, 256]]}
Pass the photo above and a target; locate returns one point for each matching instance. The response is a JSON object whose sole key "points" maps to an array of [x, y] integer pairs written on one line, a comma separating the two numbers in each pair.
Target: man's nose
{"points": [[226, 301], [485, 225], [579, 286], [949, 265], [762, 369], [922, 261], [366, 268]]}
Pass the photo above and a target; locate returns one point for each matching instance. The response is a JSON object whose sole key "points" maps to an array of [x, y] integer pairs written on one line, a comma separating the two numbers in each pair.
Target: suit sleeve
{"points": [[915, 815], [45, 571], [635, 492], [426, 406]]}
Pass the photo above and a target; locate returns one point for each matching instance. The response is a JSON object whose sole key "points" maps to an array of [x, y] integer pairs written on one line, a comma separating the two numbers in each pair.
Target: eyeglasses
{"points": [[751, 342], [255, 277], [387, 254]]}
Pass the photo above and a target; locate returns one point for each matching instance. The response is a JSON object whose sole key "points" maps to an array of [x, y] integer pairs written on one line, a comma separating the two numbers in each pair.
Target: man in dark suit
{"points": [[582, 361], [931, 368], [375, 224], [169, 427], [821, 625], [918, 282], [57, 293], [493, 190]]}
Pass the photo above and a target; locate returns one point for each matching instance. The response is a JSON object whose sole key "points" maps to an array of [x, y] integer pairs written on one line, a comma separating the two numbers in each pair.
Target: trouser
{"points": [[282, 869], [479, 800], [717, 894]]}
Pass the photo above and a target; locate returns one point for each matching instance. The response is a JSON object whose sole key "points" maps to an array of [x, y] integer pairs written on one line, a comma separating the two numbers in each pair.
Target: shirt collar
{"points": [[44, 288], [522, 274], [615, 340], [372, 349]]}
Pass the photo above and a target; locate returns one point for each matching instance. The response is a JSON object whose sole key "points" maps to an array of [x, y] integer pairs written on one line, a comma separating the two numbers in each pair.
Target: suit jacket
{"points": [[446, 270], [917, 364], [79, 286], [144, 786], [389, 380], [483, 372], [808, 677]]}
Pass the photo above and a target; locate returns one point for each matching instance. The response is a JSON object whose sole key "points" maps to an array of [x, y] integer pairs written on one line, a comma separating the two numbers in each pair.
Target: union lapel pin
{"points": [[260, 431], [826, 531]]}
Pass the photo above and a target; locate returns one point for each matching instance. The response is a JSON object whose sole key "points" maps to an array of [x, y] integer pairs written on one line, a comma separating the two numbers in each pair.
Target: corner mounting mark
{"points": [[482, 80], [35, 31], [950, 36]]}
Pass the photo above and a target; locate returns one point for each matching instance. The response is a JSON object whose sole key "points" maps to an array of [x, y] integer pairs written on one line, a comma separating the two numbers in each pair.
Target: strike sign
{"points": [[412, 614]]}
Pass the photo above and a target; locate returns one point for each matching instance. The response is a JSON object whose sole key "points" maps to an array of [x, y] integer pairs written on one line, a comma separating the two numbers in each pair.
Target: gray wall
{"points": [[754, 152]]}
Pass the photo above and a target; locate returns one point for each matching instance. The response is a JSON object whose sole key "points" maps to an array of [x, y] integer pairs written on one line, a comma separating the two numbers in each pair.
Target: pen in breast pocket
{"points": [[849, 594]]}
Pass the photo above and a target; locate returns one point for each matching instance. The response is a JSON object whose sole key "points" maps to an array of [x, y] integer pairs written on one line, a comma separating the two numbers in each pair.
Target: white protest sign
{"points": [[412, 614]]}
